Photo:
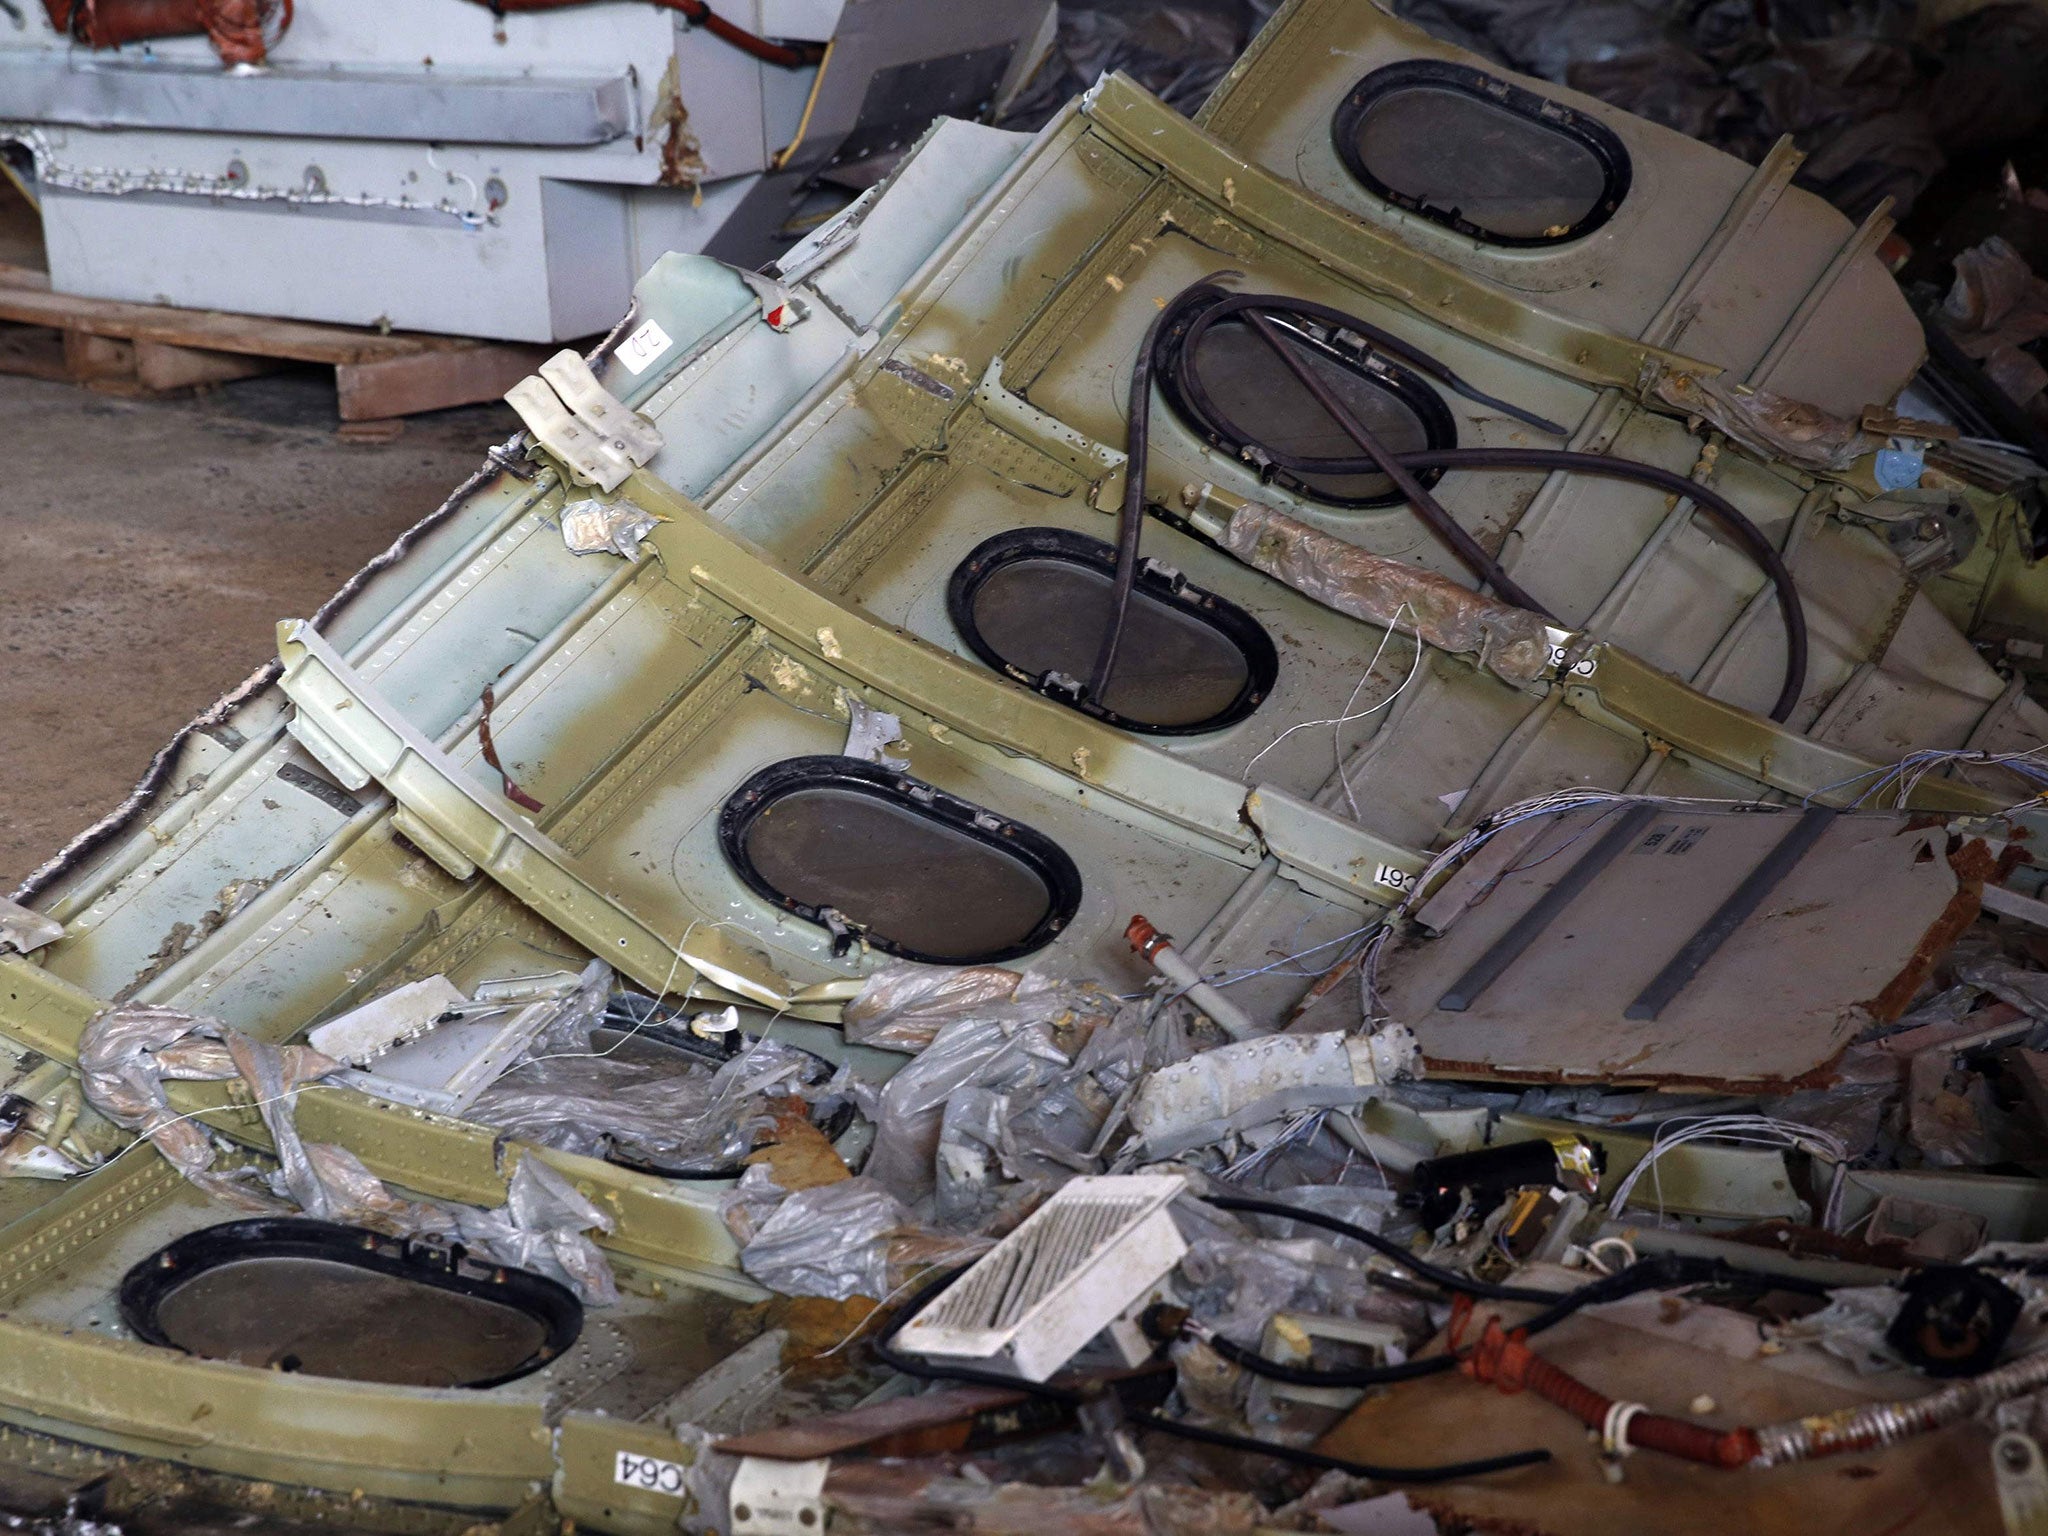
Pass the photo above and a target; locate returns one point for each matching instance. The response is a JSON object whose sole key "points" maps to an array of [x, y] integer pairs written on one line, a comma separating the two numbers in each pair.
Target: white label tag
{"points": [[1583, 667], [639, 350], [778, 1498], [1394, 878], [650, 1473]]}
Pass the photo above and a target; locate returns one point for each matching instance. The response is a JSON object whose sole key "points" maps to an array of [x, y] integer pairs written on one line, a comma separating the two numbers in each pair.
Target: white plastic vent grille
{"points": [[1075, 1266]]}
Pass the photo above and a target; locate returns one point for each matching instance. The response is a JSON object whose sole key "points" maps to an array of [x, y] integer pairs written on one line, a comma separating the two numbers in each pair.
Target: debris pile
{"points": [[1176, 1275], [1483, 965]]}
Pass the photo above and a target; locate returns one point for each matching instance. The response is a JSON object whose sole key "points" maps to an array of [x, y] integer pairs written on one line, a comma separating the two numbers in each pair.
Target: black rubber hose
{"points": [[1664, 1272], [1255, 309], [910, 1365], [1130, 530], [1446, 527], [1792, 611]]}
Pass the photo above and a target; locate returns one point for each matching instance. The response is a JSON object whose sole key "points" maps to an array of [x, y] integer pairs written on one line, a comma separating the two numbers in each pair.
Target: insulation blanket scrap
{"points": [[127, 1054], [840, 1240], [1770, 425], [1996, 309], [696, 1116], [1235, 1087], [606, 527], [1508, 641], [903, 1007]]}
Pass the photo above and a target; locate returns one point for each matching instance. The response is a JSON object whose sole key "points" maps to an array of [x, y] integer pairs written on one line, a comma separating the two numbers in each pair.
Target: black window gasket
{"points": [[1591, 134], [146, 1286], [1157, 582], [1356, 353], [1037, 852]]}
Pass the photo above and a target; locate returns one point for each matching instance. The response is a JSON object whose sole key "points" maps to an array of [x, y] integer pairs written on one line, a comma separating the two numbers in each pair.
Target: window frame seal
{"points": [[1046, 859], [1545, 112]]}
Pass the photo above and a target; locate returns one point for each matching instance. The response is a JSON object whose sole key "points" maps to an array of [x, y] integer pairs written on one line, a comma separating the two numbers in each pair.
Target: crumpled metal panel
{"points": [[1841, 941]]}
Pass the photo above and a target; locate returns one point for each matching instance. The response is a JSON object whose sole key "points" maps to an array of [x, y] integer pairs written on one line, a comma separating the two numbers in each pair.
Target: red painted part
{"points": [[1144, 938], [697, 13], [237, 28], [1505, 1359]]}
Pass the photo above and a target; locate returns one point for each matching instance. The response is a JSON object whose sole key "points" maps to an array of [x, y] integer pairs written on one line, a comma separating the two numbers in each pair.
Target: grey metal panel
{"points": [[432, 105]]}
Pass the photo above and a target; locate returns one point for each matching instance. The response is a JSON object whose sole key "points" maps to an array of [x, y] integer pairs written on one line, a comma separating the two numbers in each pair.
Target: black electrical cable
{"points": [[1130, 528], [1258, 310], [1382, 341], [910, 1365], [1663, 1272], [1449, 1472], [1442, 1278]]}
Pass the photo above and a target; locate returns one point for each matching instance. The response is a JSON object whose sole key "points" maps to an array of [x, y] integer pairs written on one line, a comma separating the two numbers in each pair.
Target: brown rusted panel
{"points": [[1973, 864]]}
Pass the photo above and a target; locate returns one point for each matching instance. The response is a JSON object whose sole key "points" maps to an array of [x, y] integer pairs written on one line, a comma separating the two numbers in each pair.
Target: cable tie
{"points": [[1614, 1432]]}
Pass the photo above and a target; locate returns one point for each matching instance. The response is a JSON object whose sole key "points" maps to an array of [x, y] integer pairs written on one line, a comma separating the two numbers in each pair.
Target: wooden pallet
{"points": [[152, 349]]}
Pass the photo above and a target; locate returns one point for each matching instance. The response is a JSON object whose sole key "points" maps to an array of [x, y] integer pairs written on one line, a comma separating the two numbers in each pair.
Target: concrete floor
{"points": [[147, 551]]}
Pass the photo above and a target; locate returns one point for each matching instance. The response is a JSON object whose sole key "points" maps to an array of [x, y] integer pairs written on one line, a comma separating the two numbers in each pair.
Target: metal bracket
{"points": [[1572, 653], [345, 710], [1329, 854], [778, 1498], [580, 422], [1097, 463], [23, 929], [1626, 688]]}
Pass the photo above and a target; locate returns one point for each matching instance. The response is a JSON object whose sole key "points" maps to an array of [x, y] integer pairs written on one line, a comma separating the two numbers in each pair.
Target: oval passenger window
{"points": [[311, 1297], [1244, 397], [1479, 155], [1034, 602], [868, 852]]}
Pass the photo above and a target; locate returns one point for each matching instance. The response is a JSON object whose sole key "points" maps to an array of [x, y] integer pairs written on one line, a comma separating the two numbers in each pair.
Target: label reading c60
{"points": [[1583, 667]]}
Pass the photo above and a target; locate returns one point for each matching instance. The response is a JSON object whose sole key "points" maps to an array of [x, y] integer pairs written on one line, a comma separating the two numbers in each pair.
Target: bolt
{"points": [[2016, 1455], [741, 1512]]}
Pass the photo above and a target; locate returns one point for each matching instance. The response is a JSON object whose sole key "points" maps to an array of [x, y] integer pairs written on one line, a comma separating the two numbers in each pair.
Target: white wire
{"points": [[1904, 777], [1340, 721], [1742, 1130]]}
